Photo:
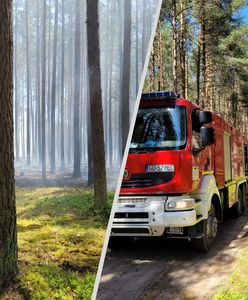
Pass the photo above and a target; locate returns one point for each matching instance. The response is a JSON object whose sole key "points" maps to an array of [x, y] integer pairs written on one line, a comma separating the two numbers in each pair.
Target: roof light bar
{"points": [[160, 95]]}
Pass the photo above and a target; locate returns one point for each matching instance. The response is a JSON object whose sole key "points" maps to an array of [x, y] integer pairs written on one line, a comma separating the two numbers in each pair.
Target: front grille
{"points": [[132, 200], [131, 222], [131, 215], [130, 230], [147, 179]]}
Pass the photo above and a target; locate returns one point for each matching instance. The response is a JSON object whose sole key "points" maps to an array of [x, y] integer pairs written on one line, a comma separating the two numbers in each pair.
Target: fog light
{"points": [[180, 204]]}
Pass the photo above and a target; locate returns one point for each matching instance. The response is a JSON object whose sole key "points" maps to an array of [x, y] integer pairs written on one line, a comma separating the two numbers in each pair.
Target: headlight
{"points": [[180, 204]]}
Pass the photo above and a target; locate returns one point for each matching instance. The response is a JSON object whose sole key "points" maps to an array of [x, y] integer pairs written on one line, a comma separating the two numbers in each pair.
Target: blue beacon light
{"points": [[161, 95]]}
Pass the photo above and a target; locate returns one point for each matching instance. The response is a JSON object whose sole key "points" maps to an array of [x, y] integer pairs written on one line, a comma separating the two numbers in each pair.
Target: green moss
{"points": [[50, 282], [60, 238]]}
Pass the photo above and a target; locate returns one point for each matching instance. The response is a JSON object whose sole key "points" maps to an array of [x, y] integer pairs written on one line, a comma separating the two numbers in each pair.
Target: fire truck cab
{"points": [[184, 168]]}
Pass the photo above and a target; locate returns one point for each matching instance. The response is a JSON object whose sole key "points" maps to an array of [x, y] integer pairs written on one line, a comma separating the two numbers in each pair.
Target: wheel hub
{"points": [[212, 227]]}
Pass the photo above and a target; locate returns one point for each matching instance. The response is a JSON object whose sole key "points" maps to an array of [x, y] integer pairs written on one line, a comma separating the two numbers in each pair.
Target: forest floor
{"points": [[31, 177], [60, 239], [170, 269]]}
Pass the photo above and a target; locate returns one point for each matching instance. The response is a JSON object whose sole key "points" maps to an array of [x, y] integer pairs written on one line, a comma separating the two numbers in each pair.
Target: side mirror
{"points": [[207, 135], [205, 117]]}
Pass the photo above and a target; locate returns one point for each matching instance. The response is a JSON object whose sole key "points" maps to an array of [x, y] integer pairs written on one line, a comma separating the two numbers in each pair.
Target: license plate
{"points": [[160, 168], [175, 230]]}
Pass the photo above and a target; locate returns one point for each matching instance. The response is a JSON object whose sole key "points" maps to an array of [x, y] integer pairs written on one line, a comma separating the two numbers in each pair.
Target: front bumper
{"points": [[146, 216]]}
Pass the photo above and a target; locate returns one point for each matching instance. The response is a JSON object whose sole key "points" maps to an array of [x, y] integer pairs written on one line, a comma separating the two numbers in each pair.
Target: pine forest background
{"points": [[201, 52], [50, 69]]}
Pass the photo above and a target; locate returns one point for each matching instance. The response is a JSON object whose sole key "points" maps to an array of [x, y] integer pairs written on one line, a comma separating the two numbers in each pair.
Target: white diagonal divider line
{"points": [[118, 186]]}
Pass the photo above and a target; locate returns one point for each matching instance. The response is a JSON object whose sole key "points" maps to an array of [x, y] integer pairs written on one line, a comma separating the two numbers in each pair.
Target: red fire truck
{"points": [[185, 167]]}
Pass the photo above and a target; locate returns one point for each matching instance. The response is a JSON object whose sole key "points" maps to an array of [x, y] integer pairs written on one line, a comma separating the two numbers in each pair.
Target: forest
{"points": [[69, 73], [51, 82], [201, 52]]}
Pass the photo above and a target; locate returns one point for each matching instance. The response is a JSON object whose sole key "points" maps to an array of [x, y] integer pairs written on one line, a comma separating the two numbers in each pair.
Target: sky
{"points": [[244, 13]]}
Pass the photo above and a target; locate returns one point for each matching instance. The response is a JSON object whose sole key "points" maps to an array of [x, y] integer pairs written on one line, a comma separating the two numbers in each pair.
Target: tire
{"points": [[118, 242], [222, 197], [209, 230], [237, 208], [244, 197]]}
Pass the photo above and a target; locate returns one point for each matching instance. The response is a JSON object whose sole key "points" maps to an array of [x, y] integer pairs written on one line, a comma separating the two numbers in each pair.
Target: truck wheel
{"points": [[118, 242], [209, 229], [237, 209]]}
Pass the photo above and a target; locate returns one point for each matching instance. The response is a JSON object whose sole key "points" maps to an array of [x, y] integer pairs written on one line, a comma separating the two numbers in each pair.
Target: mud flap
{"points": [[195, 232]]}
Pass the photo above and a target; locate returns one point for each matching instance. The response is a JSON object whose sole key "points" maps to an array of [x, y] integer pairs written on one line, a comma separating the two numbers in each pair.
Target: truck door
{"points": [[227, 157]]}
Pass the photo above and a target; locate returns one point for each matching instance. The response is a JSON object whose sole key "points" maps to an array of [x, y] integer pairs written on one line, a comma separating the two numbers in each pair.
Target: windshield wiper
{"points": [[143, 150]]}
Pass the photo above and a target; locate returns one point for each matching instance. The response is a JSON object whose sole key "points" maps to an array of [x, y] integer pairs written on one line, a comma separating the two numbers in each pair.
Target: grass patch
{"points": [[60, 239], [237, 286]]}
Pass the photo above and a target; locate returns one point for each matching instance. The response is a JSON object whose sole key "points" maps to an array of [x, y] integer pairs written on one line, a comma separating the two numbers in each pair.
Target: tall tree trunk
{"points": [[120, 46], [183, 47], [43, 95], [89, 146], [96, 113], [77, 155], [203, 52], [106, 69], [49, 89], [124, 125], [208, 70], [174, 44], [38, 84], [186, 75], [62, 117], [32, 122], [23, 127], [70, 89], [198, 64], [110, 93], [159, 59], [8, 236], [53, 96], [28, 86], [16, 92], [137, 47]]}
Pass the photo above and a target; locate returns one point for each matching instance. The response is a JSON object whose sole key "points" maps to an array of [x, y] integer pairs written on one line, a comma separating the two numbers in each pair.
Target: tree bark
{"points": [[183, 47], [174, 44], [89, 146], [77, 155], [124, 125], [43, 96], [120, 47], [38, 108], [96, 113], [198, 64], [62, 117], [28, 86], [53, 96], [137, 47], [8, 236], [16, 92]]}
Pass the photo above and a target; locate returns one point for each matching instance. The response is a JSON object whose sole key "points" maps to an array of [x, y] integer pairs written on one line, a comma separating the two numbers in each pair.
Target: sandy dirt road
{"points": [[170, 269]]}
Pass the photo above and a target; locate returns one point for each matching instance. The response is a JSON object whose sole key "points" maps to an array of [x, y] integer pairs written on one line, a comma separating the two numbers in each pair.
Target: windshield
{"points": [[160, 128]]}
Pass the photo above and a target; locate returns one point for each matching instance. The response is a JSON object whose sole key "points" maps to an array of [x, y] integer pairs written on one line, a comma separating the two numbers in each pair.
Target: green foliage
{"points": [[50, 282], [237, 286], [60, 238], [212, 45]]}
